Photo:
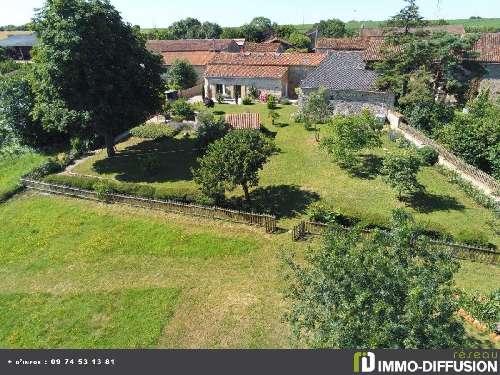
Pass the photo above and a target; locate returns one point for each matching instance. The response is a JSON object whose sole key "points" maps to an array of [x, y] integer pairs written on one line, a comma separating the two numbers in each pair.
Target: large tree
{"points": [[387, 290], [233, 160], [407, 18], [400, 171], [333, 28], [181, 75], [91, 69]]}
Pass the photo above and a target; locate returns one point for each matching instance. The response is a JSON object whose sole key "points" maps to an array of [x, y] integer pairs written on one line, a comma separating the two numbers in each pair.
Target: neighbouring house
{"points": [[341, 44], [19, 45], [371, 32], [241, 43], [275, 73], [488, 54], [240, 121], [263, 47], [350, 85], [191, 45], [284, 43], [198, 52]]}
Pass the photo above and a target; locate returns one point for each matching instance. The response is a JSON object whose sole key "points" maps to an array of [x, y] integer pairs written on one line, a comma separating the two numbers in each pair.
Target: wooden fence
{"points": [[262, 220], [460, 251]]}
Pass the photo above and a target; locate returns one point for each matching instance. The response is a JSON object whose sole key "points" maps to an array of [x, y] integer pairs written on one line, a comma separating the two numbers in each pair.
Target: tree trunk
{"points": [[245, 190], [110, 144]]}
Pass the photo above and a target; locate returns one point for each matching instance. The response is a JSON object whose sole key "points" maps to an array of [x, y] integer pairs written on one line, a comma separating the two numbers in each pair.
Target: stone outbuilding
{"points": [[350, 85], [488, 51]]}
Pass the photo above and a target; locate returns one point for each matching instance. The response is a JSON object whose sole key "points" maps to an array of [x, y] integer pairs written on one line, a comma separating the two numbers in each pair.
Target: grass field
{"points": [[302, 174], [13, 168], [81, 274]]}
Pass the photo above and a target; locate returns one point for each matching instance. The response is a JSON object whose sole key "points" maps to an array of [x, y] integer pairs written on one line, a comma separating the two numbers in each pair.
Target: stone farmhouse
{"points": [[488, 51], [279, 74]]}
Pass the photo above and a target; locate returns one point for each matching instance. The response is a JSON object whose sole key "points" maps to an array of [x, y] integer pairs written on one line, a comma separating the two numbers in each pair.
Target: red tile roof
{"points": [[271, 59], [488, 48], [262, 47], [246, 71], [368, 32], [373, 52], [196, 58], [243, 120], [185, 45], [343, 44]]}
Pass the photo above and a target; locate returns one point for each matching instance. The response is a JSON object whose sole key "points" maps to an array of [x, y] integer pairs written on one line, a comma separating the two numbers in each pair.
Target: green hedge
{"points": [[127, 188], [153, 131], [322, 213]]}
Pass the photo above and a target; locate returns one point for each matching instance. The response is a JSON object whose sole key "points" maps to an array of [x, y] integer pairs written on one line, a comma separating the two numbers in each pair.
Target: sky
{"points": [[161, 13]]}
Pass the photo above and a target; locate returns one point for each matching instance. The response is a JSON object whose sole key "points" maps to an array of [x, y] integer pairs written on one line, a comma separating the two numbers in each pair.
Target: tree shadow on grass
{"points": [[425, 202], [129, 164], [284, 201], [366, 167], [219, 113]]}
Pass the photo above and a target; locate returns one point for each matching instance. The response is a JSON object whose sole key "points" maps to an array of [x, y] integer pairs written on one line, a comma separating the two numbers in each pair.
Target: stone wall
{"points": [[296, 74], [351, 101], [491, 80]]}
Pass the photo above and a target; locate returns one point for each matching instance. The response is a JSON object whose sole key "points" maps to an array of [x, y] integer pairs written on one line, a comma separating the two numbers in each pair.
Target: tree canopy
{"points": [[384, 290], [233, 160], [181, 75], [332, 28], [91, 69], [349, 134], [400, 171]]}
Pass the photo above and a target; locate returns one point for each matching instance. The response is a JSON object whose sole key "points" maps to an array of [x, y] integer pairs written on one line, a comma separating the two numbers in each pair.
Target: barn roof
{"points": [[343, 44], [342, 70]]}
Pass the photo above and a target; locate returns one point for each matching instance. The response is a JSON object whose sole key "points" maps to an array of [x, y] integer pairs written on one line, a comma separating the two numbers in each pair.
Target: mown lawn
{"points": [[302, 174], [79, 274], [12, 168]]}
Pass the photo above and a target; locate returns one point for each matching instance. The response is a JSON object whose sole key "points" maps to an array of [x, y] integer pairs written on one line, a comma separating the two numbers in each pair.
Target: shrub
{"points": [[486, 309], [181, 109], [153, 131], [103, 188], [246, 100], [220, 98], [253, 93], [285, 101], [209, 103], [428, 155], [321, 213], [271, 102], [263, 97], [79, 145], [210, 129], [151, 163], [402, 142]]}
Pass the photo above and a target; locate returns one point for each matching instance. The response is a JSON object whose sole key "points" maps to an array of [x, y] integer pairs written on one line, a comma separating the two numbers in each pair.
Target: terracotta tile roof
{"points": [[343, 44], [197, 58], [262, 47], [185, 45], [271, 59], [373, 51], [243, 120], [488, 47], [368, 32], [246, 71]]}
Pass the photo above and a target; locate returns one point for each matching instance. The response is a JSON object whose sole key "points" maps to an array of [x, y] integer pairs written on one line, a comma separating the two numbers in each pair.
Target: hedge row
{"points": [[154, 131], [127, 188], [322, 213], [485, 308]]}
